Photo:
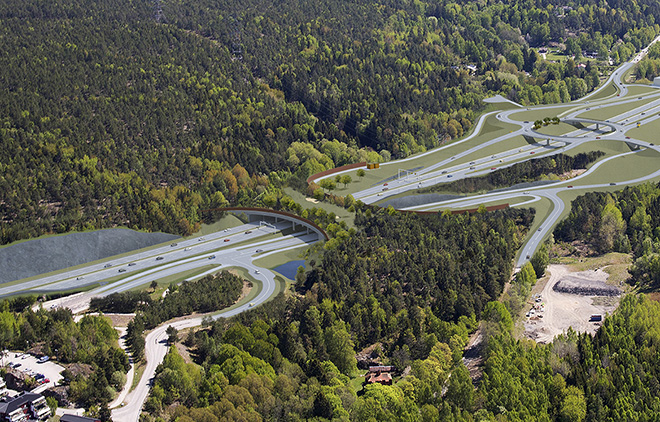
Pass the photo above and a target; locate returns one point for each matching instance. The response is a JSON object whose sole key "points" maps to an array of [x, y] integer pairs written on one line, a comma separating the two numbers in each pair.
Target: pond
{"points": [[290, 269]]}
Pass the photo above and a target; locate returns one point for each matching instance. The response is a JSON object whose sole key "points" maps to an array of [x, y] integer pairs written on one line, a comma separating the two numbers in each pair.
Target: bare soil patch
{"points": [[555, 310]]}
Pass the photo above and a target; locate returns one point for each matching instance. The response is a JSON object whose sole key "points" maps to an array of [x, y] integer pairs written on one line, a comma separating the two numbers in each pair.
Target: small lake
{"points": [[290, 269]]}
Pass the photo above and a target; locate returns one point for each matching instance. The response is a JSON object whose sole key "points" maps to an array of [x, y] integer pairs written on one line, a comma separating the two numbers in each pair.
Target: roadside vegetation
{"points": [[546, 168]]}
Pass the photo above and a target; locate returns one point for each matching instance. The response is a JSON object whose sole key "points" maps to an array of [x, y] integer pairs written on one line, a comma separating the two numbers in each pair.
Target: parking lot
{"points": [[30, 366]]}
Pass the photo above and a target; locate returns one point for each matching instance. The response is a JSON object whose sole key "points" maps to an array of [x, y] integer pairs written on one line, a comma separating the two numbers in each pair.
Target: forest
{"points": [[114, 116], [414, 285], [622, 221], [546, 168], [295, 357], [211, 293]]}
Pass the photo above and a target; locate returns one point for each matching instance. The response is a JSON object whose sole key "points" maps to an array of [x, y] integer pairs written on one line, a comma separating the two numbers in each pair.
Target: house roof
{"points": [[11, 404], [75, 418]]}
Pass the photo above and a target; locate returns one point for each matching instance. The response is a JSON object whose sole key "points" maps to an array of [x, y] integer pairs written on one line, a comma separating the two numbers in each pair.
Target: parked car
{"points": [[43, 359]]}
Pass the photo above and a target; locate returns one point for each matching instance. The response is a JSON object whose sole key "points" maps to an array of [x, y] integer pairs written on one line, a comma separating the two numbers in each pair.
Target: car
{"points": [[639, 98], [107, 266], [226, 240], [248, 232], [131, 264], [612, 184], [588, 108], [501, 161], [569, 186], [471, 162], [380, 194], [492, 156], [627, 137], [450, 175], [39, 376], [251, 304], [526, 121], [540, 229], [643, 113], [225, 230], [79, 278], [187, 249], [385, 188], [212, 257], [16, 365], [122, 270], [532, 152], [257, 272], [493, 168], [384, 184], [597, 137], [651, 144], [444, 172], [43, 359], [259, 250], [173, 245], [159, 258], [200, 239], [527, 257], [471, 167]]}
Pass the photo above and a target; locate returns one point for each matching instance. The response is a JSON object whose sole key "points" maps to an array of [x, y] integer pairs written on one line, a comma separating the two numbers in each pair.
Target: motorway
{"points": [[642, 110], [240, 246]]}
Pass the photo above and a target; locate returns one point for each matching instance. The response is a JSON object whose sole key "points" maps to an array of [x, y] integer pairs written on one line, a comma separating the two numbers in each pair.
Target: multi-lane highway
{"points": [[624, 112]]}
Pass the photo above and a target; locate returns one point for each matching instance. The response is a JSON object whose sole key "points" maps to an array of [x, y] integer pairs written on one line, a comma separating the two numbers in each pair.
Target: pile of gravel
{"points": [[414, 200], [40, 256], [585, 287]]}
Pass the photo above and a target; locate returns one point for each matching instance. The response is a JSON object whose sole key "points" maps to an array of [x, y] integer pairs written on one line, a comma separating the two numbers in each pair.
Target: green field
{"points": [[608, 91], [556, 130], [648, 132], [227, 222], [534, 114]]}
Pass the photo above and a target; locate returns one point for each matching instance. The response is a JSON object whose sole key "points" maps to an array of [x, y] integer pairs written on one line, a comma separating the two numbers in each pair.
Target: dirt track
{"points": [[564, 310]]}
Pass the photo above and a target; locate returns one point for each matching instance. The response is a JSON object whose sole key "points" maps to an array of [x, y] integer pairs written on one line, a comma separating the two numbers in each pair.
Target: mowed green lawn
{"points": [[647, 132], [534, 114]]}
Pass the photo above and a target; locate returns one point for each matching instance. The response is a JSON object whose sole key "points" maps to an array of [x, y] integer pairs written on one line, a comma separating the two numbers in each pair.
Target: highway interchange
{"points": [[241, 246], [453, 165]]}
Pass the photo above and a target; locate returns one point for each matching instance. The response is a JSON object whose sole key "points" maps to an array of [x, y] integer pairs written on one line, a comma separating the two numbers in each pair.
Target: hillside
{"points": [[112, 115]]}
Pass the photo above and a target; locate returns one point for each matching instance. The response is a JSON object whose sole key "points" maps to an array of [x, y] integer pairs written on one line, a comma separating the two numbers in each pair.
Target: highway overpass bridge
{"points": [[274, 216]]}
